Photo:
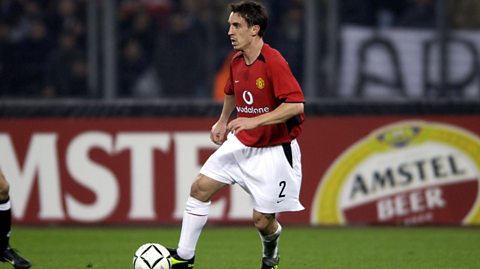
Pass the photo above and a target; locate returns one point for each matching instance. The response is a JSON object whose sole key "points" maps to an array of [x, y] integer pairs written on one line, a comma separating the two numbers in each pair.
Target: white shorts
{"points": [[272, 181]]}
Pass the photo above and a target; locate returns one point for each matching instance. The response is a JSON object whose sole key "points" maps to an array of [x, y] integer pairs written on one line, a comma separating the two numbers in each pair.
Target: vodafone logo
{"points": [[248, 97], [405, 173], [248, 108]]}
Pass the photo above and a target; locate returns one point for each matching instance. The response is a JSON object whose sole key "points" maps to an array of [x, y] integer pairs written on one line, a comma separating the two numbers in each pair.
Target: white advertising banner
{"points": [[399, 62]]}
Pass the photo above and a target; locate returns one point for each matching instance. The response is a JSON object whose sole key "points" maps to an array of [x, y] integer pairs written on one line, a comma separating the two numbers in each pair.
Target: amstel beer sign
{"points": [[408, 173]]}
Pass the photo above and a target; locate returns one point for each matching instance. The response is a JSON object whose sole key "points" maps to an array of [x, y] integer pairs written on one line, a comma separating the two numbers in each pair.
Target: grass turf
{"points": [[239, 247]]}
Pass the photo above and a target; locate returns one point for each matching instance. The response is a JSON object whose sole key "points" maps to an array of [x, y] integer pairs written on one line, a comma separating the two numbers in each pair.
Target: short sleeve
{"points": [[285, 85]]}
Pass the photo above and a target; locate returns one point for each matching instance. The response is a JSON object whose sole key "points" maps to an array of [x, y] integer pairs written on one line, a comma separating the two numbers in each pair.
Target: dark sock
{"points": [[5, 223]]}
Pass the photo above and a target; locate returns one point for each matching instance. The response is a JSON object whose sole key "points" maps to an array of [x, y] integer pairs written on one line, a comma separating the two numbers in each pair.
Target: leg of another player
{"points": [[269, 229], [196, 214], [5, 213], [7, 254]]}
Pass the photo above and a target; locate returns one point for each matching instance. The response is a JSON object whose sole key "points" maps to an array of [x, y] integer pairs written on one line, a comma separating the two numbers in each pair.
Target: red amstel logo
{"points": [[406, 173]]}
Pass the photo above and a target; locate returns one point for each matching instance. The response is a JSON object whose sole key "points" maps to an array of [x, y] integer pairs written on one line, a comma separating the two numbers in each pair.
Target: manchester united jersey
{"points": [[260, 88]]}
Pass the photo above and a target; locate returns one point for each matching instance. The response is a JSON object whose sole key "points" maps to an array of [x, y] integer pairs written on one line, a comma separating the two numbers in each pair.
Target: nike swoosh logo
{"points": [[175, 261]]}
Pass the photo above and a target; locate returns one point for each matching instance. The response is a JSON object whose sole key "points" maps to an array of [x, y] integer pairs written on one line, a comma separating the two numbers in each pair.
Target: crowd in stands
{"points": [[180, 49], [42, 48], [166, 48], [458, 14]]}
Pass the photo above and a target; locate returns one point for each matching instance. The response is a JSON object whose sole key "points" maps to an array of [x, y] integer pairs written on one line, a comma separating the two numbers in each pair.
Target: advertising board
{"points": [[399, 170]]}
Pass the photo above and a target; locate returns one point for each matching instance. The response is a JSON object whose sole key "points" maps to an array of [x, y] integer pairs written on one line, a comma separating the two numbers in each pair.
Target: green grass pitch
{"points": [[239, 247]]}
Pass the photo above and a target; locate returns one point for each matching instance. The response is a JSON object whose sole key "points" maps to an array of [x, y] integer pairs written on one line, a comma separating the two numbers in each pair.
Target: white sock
{"points": [[194, 219], [270, 243], [5, 205]]}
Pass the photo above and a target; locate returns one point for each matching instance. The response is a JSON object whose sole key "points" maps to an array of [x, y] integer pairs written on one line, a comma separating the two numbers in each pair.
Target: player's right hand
{"points": [[218, 134]]}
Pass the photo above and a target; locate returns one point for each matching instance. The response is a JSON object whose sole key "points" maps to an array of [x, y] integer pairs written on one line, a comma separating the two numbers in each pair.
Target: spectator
{"points": [[30, 56], [179, 59], [133, 65], [6, 61], [66, 15], [32, 9], [290, 39], [157, 10], [61, 66], [78, 82], [12, 13], [143, 30]]}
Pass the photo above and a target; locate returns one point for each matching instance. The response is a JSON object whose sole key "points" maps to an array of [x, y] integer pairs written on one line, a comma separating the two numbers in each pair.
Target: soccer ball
{"points": [[152, 256]]}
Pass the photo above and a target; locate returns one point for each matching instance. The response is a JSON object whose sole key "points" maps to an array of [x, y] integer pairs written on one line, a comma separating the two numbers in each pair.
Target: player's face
{"points": [[240, 34]]}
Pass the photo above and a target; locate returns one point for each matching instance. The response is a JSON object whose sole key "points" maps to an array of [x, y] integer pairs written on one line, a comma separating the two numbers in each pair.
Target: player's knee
{"points": [[198, 192], [4, 189], [204, 188]]}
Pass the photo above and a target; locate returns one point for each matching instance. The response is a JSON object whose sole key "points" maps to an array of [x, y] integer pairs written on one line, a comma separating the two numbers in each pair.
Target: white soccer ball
{"points": [[152, 256]]}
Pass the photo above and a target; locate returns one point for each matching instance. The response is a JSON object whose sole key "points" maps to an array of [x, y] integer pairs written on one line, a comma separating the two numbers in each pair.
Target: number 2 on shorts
{"points": [[282, 185]]}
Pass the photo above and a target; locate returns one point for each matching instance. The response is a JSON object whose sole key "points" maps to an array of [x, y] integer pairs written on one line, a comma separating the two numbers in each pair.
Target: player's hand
{"points": [[240, 124], [218, 134]]}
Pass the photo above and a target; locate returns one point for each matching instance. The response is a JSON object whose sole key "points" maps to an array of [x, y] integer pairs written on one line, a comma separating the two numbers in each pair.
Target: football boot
{"points": [[269, 263], [179, 263], [10, 255]]}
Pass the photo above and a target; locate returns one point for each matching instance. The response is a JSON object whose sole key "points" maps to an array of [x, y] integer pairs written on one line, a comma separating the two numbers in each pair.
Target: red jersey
{"points": [[260, 88]]}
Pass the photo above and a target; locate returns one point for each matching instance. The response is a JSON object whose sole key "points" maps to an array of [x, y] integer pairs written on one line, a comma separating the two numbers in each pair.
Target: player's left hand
{"points": [[240, 124]]}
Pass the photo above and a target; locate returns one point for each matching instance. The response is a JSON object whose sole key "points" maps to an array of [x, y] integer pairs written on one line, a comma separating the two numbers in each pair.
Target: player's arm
{"points": [[219, 129], [281, 114]]}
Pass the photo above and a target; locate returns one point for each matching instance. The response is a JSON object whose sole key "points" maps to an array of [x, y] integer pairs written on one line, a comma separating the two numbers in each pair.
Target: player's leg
{"points": [[276, 188], [269, 229], [194, 219], [217, 172], [8, 254], [5, 213]]}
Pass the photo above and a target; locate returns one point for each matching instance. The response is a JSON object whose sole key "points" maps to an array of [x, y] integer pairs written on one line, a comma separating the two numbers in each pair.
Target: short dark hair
{"points": [[253, 12]]}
